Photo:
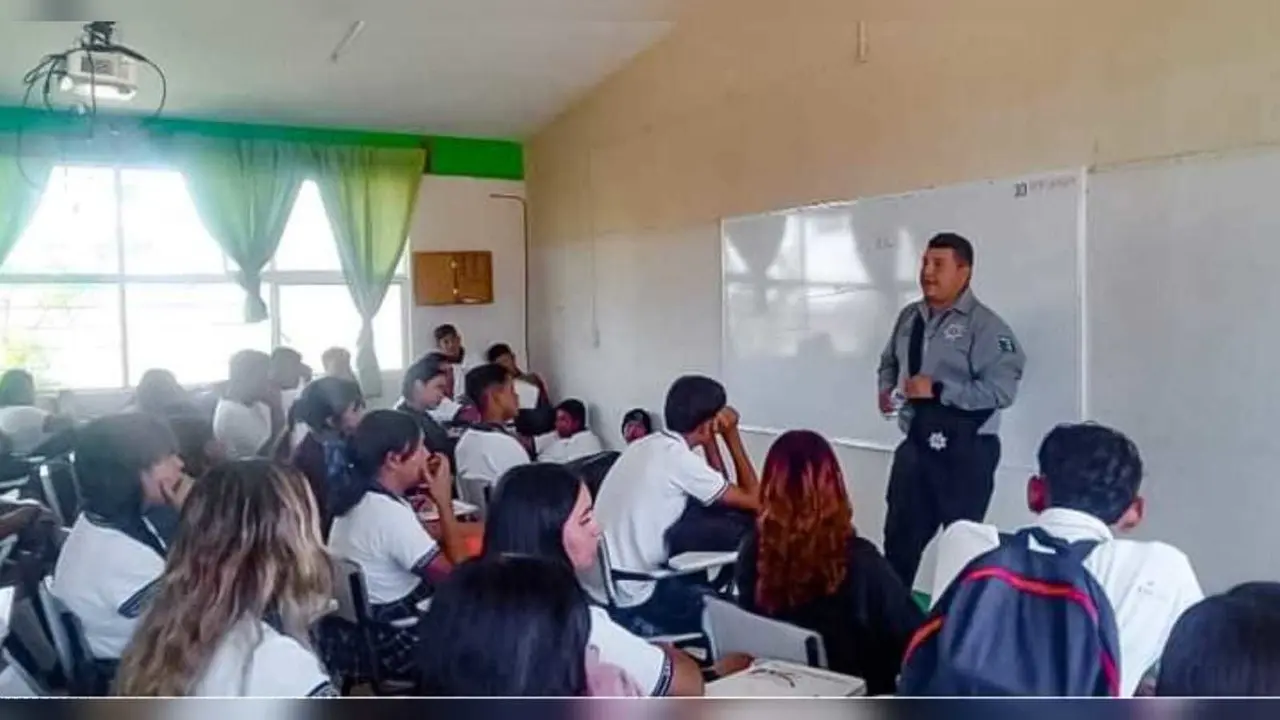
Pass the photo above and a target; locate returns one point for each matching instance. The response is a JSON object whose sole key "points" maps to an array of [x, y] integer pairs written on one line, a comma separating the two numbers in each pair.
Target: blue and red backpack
{"points": [[1018, 620]]}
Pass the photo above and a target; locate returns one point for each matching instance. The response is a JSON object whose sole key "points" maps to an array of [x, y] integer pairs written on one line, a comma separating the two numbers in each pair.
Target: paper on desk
{"points": [[775, 678]]}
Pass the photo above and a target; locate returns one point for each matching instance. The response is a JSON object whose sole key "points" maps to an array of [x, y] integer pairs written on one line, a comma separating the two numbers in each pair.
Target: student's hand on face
{"points": [[440, 480], [727, 420], [919, 387], [175, 491]]}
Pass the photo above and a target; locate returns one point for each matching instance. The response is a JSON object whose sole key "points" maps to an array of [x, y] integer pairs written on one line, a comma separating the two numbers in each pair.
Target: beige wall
{"points": [[752, 105]]}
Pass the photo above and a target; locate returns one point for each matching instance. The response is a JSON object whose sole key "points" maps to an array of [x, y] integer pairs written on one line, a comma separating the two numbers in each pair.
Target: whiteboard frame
{"points": [[1082, 174]]}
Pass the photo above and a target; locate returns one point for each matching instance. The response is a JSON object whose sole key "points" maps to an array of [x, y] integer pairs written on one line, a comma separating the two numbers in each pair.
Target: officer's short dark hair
{"points": [[445, 331], [1091, 468], [483, 378], [955, 243], [691, 401]]}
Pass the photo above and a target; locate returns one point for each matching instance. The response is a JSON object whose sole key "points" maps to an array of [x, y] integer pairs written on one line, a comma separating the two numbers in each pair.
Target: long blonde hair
{"points": [[248, 545]]}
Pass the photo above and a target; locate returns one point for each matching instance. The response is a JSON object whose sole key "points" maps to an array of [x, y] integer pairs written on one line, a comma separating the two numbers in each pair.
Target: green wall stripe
{"points": [[471, 157], [499, 159]]}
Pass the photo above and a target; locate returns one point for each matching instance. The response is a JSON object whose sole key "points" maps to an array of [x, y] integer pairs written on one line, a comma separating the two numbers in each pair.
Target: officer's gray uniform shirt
{"points": [[967, 348]]}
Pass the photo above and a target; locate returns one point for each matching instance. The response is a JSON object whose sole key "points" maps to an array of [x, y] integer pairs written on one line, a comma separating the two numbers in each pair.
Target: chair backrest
{"points": [[349, 590], [601, 576], [730, 629], [58, 488], [68, 640], [475, 492]]}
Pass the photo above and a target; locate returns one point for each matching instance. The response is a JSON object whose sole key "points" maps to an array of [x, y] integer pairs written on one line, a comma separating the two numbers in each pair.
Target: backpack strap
{"points": [[915, 346], [1076, 551]]}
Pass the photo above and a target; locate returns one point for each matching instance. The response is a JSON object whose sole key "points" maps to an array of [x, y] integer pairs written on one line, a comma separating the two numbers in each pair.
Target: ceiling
{"points": [[493, 68]]}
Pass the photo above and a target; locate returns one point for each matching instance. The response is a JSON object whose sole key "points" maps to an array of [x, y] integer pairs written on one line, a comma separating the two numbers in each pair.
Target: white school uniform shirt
{"points": [[640, 659], [241, 429], [1149, 584], [445, 412], [24, 426], [254, 660], [382, 534], [642, 496], [105, 578], [555, 449], [487, 455], [527, 393]]}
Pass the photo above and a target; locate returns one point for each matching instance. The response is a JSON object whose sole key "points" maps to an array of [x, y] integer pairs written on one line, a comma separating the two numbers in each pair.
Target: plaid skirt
{"points": [[342, 645]]}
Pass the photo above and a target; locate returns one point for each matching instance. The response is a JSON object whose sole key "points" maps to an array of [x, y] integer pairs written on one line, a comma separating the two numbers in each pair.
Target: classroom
{"points": [[638, 271]]}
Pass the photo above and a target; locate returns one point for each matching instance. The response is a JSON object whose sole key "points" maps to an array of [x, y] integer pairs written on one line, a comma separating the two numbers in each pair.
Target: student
{"points": [[486, 451], [423, 390], [544, 511], [159, 393], [636, 424], [645, 493], [512, 626], [1225, 646], [1087, 489], [571, 439], [26, 425], [106, 573], [248, 415], [246, 579], [449, 343], [530, 388], [376, 528], [327, 413], [288, 373], [336, 362], [804, 564]]}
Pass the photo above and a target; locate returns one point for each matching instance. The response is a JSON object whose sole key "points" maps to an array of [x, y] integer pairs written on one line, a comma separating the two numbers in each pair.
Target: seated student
{"points": [[530, 388], [375, 527], [645, 492], [1227, 645], [513, 626], [336, 362], [487, 450], [159, 393], [247, 577], [106, 573], [715, 527], [636, 424], [571, 439], [804, 564], [199, 451], [247, 416], [1087, 489], [327, 412], [542, 510], [424, 388], [288, 374], [449, 344], [25, 425]]}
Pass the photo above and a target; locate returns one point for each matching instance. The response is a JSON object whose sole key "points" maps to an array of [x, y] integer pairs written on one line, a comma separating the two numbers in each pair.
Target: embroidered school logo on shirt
{"points": [[953, 331], [1006, 344], [938, 442]]}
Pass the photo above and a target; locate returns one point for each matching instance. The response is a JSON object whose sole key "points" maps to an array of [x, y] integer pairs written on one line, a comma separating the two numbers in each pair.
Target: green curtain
{"points": [[244, 190], [21, 186], [369, 194]]}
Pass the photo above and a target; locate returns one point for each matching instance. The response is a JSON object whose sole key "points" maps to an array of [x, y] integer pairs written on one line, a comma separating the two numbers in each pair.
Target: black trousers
{"points": [[930, 489]]}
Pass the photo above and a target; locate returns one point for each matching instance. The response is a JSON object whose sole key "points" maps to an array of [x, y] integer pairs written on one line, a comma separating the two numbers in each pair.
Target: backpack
{"points": [[1018, 621]]}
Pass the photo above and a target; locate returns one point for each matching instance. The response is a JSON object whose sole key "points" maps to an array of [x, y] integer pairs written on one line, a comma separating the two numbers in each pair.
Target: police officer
{"points": [[951, 365]]}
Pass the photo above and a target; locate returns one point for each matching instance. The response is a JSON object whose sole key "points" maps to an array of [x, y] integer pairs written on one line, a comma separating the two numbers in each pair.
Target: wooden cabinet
{"points": [[453, 278]]}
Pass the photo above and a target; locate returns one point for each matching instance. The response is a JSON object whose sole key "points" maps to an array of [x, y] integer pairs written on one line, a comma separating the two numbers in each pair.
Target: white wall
{"points": [[458, 213]]}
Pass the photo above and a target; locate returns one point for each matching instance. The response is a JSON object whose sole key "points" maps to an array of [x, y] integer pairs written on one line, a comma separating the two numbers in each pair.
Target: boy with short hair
{"points": [[1087, 490], [645, 493], [486, 450], [571, 439]]}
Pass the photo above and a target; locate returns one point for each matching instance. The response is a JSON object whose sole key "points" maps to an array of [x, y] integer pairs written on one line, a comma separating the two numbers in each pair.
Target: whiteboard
{"points": [[1183, 292], [810, 296]]}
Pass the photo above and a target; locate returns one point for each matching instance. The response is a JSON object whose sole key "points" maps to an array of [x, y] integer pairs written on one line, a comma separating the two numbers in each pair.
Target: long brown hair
{"points": [[248, 545], [804, 524]]}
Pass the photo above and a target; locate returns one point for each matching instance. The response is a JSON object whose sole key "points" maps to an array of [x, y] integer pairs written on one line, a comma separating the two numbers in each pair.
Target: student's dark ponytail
{"points": [[379, 434], [319, 405]]}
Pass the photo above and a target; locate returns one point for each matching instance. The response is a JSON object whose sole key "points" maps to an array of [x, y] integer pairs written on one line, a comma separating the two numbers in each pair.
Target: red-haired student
{"points": [[805, 564]]}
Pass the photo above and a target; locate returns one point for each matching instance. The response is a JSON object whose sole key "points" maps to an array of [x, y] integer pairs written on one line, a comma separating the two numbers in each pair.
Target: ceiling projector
{"points": [[105, 75]]}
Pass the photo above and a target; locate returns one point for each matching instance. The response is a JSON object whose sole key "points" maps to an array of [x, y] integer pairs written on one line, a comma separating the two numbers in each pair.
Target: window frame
{"points": [[272, 280]]}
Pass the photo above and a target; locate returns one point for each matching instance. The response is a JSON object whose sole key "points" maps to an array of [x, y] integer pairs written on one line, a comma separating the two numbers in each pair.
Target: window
{"points": [[116, 274]]}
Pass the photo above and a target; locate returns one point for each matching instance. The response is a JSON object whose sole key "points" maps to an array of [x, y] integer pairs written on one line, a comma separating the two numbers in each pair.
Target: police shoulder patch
{"points": [[1006, 344]]}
